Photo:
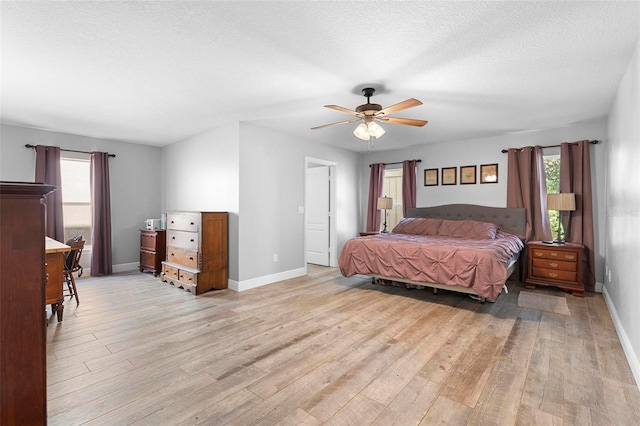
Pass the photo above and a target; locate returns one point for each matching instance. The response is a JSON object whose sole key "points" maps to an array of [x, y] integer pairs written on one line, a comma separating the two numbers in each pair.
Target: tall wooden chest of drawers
{"points": [[23, 356], [153, 244], [197, 251], [558, 265]]}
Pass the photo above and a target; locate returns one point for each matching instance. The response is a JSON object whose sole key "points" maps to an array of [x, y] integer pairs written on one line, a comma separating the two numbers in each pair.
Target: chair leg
{"points": [[71, 285]]}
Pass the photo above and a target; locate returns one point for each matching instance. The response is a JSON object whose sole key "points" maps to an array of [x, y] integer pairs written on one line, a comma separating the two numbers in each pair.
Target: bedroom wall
{"points": [[134, 173], [202, 174], [487, 151], [621, 289], [272, 178]]}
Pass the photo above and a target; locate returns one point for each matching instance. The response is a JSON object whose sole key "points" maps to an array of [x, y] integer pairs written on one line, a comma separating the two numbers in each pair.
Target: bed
{"points": [[460, 247]]}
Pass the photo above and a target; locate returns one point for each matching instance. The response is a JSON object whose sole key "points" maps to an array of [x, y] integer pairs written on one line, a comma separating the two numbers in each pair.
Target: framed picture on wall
{"points": [[448, 175], [431, 177], [489, 173], [467, 175]]}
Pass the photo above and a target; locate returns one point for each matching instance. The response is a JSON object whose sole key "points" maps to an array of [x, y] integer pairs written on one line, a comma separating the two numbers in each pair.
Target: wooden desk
{"points": [[54, 266]]}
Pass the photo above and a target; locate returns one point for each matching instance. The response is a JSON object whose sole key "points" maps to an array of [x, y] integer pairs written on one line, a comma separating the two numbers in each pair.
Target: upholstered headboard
{"points": [[513, 220]]}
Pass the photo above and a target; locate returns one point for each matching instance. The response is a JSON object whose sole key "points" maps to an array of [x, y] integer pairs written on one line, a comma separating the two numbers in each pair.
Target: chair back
{"points": [[72, 260]]}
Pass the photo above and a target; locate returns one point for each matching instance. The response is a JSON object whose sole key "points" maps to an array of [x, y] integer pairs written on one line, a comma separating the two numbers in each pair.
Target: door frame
{"points": [[333, 241]]}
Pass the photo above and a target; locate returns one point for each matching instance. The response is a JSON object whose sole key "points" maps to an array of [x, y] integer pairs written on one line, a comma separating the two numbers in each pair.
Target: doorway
{"points": [[319, 215]]}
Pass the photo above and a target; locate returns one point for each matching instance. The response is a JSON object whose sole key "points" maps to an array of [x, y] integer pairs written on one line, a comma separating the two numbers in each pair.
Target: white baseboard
{"points": [[267, 279], [632, 356]]}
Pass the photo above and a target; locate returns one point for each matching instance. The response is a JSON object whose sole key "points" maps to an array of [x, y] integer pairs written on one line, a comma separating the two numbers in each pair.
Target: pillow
{"points": [[471, 229], [418, 226]]}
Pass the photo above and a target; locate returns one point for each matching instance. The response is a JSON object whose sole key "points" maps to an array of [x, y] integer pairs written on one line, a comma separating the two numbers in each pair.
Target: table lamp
{"points": [[563, 202], [385, 203]]}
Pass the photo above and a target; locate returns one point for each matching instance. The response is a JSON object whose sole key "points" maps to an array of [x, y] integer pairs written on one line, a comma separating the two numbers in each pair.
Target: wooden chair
{"points": [[72, 265]]}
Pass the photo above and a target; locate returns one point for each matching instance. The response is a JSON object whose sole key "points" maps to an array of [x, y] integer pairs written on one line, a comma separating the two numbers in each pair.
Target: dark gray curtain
{"points": [[101, 263], [575, 176], [376, 181], [408, 185], [48, 171]]}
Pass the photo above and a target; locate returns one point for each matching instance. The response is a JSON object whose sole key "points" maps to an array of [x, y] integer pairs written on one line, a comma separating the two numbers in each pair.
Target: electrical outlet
{"points": [[275, 257]]}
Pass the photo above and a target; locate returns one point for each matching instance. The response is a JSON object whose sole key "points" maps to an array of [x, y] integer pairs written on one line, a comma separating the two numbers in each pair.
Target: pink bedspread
{"points": [[479, 264]]}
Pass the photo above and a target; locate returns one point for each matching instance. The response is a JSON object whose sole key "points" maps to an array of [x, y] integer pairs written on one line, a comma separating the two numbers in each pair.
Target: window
{"points": [[76, 198], [392, 187], [552, 170]]}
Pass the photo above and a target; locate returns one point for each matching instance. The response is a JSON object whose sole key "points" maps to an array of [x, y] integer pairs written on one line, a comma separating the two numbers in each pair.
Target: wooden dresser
{"points": [[558, 265], [153, 245], [23, 360], [197, 251]]}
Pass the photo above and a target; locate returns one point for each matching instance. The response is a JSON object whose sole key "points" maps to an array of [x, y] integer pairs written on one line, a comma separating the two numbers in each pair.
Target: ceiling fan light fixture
{"points": [[362, 132], [375, 129]]}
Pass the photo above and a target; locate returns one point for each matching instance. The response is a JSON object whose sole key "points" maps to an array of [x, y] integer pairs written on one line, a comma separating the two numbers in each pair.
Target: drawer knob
{"points": [[553, 253], [190, 257], [553, 274], [538, 253], [191, 223], [553, 264], [570, 256], [192, 240]]}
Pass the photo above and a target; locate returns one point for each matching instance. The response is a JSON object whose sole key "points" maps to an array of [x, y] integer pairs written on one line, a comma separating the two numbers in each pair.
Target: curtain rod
{"points": [[397, 162], [68, 150], [593, 142]]}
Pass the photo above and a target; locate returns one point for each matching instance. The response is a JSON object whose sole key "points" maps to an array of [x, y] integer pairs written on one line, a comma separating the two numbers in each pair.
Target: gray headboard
{"points": [[513, 220]]}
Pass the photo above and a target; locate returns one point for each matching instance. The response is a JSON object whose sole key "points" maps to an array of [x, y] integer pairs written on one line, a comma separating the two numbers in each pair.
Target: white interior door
{"points": [[317, 214]]}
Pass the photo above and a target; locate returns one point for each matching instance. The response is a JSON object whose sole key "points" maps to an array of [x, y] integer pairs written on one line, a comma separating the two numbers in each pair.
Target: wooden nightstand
{"points": [[557, 265]]}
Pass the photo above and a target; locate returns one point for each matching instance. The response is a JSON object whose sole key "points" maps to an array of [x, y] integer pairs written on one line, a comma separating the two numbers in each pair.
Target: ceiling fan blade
{"points": [[335, 124], [407, 121], [341, 109], [409, 103]]}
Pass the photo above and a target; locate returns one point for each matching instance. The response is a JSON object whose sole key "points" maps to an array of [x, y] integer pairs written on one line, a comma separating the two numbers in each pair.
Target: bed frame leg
{"points": [[435, 291], [483, 300]]}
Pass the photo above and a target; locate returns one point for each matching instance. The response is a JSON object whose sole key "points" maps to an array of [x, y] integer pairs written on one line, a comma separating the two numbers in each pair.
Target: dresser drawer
{"points": [[188, 277], [169, 272], [540, 253], [188, 258], [183, 222], [555, 264], [554, 274], [188, 240]]}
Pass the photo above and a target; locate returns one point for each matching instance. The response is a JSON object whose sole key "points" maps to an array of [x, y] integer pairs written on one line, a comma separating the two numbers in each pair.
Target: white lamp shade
{"points": [[375, 129], [362, 132], [385, 203], [563, 202]]}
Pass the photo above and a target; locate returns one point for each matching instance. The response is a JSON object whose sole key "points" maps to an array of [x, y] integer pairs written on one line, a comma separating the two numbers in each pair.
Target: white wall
{"points": [[134, 173], [272, 173], [202, 174], [622, 291], [487, 151]]}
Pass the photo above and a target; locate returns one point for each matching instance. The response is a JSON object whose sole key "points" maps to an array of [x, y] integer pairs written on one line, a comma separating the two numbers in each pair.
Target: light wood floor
{"points": [[324, 349]]}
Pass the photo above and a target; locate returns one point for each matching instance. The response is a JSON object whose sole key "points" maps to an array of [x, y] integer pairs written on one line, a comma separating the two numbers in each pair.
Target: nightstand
{"points": [[366, 233], [557, 265]]}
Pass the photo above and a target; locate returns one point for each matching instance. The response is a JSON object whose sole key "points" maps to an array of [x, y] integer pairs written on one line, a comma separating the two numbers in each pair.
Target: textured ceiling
{"points": [[158, 72]]}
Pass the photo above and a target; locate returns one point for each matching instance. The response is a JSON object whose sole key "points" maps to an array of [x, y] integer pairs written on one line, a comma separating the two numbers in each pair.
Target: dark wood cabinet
{"points": [[152, 250], [557, 265], [23, 361]]}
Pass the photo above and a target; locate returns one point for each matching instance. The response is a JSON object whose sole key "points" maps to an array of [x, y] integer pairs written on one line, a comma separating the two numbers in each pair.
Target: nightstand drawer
{"points": [[553, 274], [555, 264], [538, 253]]}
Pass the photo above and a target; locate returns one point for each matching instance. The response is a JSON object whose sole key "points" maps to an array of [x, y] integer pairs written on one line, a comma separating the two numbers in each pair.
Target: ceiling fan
{"points": [[372, 113]]}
